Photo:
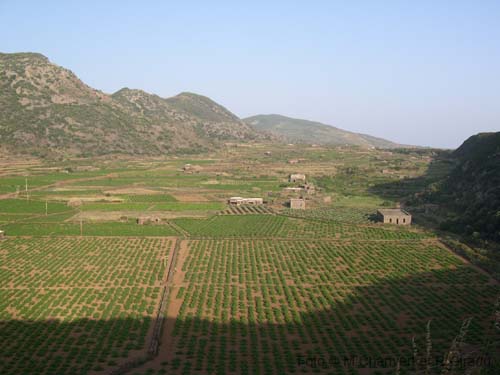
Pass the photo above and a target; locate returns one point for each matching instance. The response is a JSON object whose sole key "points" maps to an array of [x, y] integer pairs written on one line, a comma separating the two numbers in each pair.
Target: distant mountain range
{"points": [[46, 109], [304, 131]]}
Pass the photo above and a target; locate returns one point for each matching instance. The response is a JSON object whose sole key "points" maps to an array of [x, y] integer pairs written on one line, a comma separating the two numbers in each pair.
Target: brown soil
{"points": [[190, 197]]}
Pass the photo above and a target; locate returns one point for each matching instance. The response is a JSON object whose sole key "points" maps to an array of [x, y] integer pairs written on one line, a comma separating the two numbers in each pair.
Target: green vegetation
{"points": [[340, 214], [21, 206], [270, 300], [130, 229], [253, 288], [151, 198], [70, 312]]}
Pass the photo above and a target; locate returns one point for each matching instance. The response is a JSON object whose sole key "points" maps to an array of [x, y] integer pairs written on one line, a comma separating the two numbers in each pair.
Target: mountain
{"points": [[472, 189], [304, 131], [47, 109]]}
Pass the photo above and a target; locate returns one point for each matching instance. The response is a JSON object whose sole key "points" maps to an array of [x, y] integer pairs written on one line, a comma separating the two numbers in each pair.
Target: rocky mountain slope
{"points": [[46, 109], [472, 189], [304, 131]]}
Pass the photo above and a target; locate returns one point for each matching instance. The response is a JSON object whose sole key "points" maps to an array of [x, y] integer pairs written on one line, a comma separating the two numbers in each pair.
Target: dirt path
{"points": [[166, 352]]}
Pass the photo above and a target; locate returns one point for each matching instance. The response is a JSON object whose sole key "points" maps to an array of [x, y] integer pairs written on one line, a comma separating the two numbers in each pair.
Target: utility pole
{"points": [[46, 208], [81, 227], [26, 184]]}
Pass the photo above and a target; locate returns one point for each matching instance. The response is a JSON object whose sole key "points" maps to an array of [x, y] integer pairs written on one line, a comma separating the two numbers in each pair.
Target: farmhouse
{"points": [[297, 177], [297, 204], [238, 201], [394, 216]]}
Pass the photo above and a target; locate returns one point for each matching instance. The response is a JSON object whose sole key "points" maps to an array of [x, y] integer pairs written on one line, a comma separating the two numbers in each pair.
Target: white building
{"points": [[238, 201], [297, 177]]}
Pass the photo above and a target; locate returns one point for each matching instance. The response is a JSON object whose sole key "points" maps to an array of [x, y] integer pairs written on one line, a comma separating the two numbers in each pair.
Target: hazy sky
{"points": [[416, 72]]}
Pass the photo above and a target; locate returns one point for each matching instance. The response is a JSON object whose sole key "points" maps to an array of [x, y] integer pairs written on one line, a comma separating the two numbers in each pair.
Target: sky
{"points": [[415, 72]]}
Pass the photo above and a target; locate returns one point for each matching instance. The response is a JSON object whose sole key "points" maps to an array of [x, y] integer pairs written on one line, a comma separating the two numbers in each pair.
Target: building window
{"points": [[390, 220], [404, 220]]}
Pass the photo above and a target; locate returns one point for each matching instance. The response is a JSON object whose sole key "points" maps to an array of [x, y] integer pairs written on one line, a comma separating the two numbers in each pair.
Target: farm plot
{"points": [[21, 206], [354, 215], [232, 226], [255, 306], [75, 306], [116, 229], [297, 228], [155, 198], [247, 210], [284, 227]]}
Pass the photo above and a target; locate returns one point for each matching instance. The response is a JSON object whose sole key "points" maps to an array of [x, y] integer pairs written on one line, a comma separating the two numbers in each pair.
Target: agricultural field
{"points": [[244, 290], [77, 305], [256, 306], [341, 214]]}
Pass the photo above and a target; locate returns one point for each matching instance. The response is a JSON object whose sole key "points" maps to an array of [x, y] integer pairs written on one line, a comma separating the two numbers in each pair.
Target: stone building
{"points": [[297, 204], [396, 216], [238, 201], [297, 177]]}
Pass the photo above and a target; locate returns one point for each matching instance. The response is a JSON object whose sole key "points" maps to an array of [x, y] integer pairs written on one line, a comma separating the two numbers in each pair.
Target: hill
{"points": [[47, 109], [472, 189], [304, 131]]}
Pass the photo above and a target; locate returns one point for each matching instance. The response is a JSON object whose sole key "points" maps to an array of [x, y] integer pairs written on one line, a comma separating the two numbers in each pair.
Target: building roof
{"points": [[393, 212]]}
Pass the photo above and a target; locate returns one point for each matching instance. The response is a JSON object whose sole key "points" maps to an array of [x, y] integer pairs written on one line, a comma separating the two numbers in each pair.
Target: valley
{"points": [[87, 259]]}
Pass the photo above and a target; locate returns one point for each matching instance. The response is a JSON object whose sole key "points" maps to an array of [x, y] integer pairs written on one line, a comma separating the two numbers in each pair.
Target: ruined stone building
{"points": [[297, 177], [394, 216], [297, 204]]}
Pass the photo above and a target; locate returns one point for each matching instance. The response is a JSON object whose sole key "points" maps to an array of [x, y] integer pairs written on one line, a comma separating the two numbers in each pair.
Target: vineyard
{"points": [[247, 210], [73, 305], [284, 227], [354, 215], [256, 306]]}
